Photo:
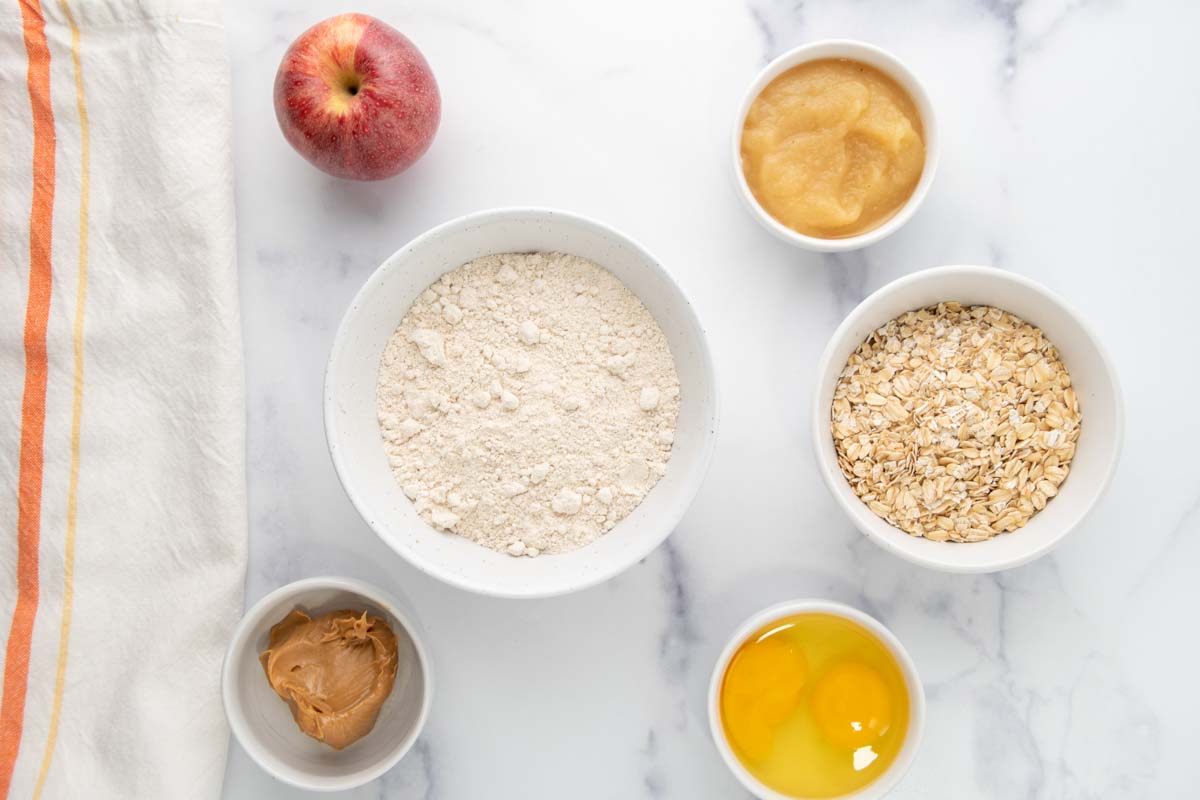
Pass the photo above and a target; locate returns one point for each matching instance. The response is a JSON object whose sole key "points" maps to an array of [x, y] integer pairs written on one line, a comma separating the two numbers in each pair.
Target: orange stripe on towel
{"points": [[64, 628], [33, 403]]}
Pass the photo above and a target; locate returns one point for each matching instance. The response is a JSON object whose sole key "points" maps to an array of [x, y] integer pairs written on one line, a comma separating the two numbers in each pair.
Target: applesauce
{"points": [[832, 148]]}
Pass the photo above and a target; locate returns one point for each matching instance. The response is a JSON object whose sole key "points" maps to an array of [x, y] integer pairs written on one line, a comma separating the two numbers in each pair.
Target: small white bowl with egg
{"points": [[352, 421], [876, 629], [1093, 378]]}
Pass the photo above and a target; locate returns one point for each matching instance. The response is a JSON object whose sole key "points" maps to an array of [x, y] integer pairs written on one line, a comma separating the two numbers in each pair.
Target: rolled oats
{"points": [[955, 422]]}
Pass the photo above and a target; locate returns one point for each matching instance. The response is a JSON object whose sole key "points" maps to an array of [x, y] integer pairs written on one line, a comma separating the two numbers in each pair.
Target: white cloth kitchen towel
{"points": [[122, 476]]}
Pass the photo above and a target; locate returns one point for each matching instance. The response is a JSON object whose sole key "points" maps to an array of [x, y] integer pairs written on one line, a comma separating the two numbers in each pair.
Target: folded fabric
{"points": [[122, 476]]}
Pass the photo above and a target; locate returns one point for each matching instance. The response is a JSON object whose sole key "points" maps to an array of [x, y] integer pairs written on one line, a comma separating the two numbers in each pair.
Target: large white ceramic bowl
{"points": [[352, 427], [262, 722], [1092, 375], [916, 696], [883, 61]]}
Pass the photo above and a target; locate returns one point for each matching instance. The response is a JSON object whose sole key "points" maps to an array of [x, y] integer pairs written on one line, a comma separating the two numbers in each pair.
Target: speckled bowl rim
{"points": [[916, 696], [670, 519], [894, 68]]}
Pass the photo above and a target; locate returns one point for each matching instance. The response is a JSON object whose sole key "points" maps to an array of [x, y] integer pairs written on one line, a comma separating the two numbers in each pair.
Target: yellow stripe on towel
{"points": [[64, 631]]}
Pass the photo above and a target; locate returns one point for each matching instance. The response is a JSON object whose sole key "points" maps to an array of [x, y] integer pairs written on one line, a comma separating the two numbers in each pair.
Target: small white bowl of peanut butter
{"points": [[834, 146], [326, 683]]}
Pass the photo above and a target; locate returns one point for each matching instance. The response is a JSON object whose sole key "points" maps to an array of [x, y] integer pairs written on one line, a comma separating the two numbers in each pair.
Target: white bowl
{"points": [[916, 696], [262, 721], [352, 427], [884, 62], [1092, 376]]}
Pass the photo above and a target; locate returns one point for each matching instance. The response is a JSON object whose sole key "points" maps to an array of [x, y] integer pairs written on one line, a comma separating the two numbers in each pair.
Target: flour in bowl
{"points": [[527, 402]]}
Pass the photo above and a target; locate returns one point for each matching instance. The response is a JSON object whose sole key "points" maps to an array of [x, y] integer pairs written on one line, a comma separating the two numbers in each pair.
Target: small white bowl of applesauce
{"points": [[834, 146]]}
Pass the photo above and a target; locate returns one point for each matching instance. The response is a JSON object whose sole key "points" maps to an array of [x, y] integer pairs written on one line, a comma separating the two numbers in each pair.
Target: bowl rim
{"points": [[815, 605], [897, 70], [527, 213], [239, 642], [855, 508]]}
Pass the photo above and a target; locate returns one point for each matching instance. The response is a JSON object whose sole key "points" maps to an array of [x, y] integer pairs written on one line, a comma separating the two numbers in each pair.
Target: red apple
{"points": [[355, 97]]}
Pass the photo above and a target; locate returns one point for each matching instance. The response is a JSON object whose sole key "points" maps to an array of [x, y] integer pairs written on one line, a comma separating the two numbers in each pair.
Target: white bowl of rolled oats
{"points": [[966, 418]]}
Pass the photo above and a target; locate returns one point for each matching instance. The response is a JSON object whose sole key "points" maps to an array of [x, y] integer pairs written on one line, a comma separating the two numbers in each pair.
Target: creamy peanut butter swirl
{"points": [[333, 671]]}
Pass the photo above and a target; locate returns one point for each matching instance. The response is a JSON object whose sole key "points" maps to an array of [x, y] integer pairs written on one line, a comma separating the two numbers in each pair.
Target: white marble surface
{"points": [[1070, 156]]}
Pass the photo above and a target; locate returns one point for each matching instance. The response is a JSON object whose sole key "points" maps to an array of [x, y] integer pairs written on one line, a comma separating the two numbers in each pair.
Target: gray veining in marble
{"points": [[1072, 677]]}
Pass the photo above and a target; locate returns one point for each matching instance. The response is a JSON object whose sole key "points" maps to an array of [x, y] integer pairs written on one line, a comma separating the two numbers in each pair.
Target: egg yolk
{"points": [[814, 705], [852, 705], [762, 687]]}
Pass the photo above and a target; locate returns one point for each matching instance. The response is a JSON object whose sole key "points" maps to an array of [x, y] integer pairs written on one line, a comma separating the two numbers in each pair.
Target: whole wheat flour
{"points": [[527, 402]]}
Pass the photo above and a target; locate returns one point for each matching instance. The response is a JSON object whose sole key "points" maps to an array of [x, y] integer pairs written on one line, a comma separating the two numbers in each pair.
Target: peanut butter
{"points": [[334, 671]]}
